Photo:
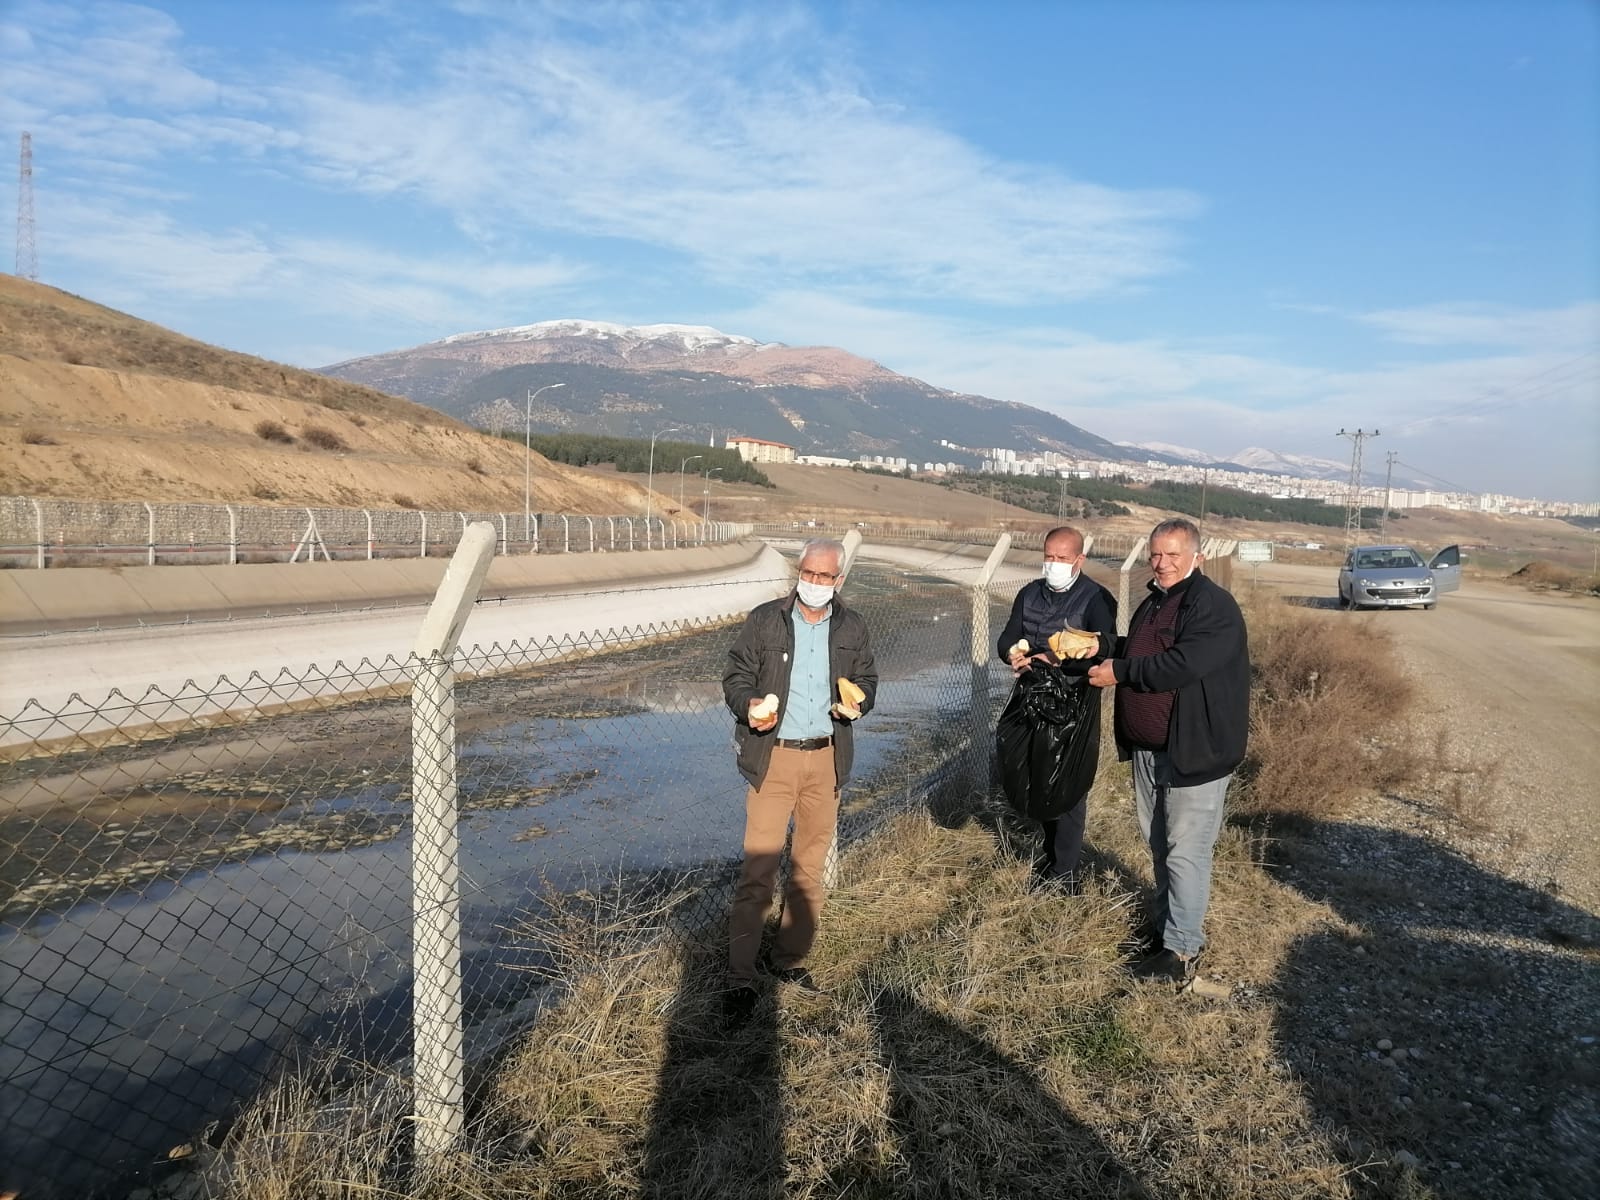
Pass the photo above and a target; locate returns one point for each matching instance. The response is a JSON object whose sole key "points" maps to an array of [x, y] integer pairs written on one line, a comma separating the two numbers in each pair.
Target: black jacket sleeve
{"points": [[1211, 635]]}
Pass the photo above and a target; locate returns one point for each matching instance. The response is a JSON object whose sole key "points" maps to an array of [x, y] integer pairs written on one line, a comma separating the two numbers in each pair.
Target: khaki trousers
{"points": [[799, 784]]}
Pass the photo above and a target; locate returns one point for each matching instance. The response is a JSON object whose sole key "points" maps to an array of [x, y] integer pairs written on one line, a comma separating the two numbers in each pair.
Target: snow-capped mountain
{"points": [[1272, 462], [630, 380], [1168, 451], [684, 339]]}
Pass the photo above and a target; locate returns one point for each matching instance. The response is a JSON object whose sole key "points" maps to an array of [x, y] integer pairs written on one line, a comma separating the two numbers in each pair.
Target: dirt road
{"points": [[1513, 677]]}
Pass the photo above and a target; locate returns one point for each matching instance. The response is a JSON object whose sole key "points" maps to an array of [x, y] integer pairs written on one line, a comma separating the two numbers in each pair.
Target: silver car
{"points": [[1397, 577]]}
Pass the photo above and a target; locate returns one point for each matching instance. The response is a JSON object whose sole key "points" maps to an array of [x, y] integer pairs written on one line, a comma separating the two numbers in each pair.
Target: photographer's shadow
{"points": [[716, 1125], [970, 1121], [1450, 1025]]}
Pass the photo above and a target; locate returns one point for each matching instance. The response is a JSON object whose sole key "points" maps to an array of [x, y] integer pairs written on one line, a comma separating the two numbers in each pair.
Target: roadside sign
{"points": [[1255, 552]]}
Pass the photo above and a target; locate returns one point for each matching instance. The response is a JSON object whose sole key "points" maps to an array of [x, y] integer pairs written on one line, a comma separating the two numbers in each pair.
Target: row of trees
{"points": [[1100, 497], [632, 455]]}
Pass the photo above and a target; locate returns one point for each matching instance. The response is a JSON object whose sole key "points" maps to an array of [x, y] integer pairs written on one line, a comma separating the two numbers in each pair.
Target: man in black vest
{"points": [[1064, 597], [1182, 715]]}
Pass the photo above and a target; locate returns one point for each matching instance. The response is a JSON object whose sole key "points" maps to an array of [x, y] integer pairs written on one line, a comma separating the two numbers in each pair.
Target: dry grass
{"points": [[33, 437], [978, 1040], [273, 431], [323, 439], [1328, 714]]}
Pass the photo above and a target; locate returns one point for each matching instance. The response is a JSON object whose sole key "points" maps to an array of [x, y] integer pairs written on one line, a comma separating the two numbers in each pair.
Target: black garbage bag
{"points": [[1048, 742]]}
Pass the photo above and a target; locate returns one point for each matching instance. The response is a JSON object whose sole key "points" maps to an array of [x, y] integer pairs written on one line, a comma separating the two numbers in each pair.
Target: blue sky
{"points": [[1217, 224]]}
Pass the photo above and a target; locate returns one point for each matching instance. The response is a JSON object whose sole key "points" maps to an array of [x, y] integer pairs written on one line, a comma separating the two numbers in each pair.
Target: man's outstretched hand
{"points": [[1102, 675]]}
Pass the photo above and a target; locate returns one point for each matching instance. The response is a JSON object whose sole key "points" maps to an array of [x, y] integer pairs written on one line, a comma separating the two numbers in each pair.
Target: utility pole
{"points": [[1352, 506], [1388, 494], [27, 252]]}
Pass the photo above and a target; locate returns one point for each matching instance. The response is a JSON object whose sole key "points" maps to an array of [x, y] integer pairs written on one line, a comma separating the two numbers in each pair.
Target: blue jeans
{"points": [[1180, 825]]}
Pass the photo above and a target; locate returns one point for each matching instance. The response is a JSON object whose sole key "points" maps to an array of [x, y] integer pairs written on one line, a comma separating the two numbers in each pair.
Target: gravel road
{"points": [[1513, 678]]}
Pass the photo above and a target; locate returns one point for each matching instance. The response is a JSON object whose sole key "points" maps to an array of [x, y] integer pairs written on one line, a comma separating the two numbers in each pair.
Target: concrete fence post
{"points": [[1125, 586], [150, 534], [423, 553], [982, 732], [566, 535], [438, 1069], [233, 536], [38, 534], [505, 536]]}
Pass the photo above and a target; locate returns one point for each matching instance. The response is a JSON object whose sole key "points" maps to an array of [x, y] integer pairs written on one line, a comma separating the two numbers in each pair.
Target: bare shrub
{"points": [[1327, 714], [263, 491], [1544, 576], [273, 431], [34, 438], [1465, 785], [403, 501], [357, 420], [323, 439], [475, 466]]}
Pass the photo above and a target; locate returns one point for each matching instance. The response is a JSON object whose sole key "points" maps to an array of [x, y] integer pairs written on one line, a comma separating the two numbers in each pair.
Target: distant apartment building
{"points": [[761, 451], [822, 460]]}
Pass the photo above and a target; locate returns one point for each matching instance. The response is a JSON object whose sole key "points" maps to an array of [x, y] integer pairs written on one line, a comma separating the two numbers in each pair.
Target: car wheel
{"points": [[1344, 601], [1427, 608]]}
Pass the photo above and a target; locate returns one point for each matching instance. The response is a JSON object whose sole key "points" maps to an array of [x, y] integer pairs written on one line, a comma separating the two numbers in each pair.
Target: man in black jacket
{"points": [[1064, 598], [1182, 715], [796, 757]]}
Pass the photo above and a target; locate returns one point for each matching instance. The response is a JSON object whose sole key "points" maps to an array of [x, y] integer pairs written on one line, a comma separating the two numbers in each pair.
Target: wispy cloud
{"points": [[717, 140], [1573, 327]]}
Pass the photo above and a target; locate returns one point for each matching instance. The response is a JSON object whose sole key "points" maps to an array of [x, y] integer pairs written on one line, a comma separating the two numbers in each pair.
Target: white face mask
{"points": [[1060, 575], [814, 595]]}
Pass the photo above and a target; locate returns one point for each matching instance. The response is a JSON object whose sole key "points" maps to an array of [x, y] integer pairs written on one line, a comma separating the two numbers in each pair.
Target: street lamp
{"points": [[650, 479], [681, 466], [527, 459], [705, 495]]}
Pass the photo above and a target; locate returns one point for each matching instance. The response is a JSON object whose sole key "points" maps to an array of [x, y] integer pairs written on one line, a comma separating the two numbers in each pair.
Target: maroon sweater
{"points": [[1144, 717]]}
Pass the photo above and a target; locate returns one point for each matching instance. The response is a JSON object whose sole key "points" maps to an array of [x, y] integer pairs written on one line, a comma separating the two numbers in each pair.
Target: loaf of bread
{"points": [[1074, 643], [767, 708], [850, 698], [1021, 647]]}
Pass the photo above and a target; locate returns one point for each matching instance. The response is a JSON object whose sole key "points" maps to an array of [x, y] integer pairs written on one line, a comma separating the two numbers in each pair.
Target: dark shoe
{"points": [[738, 1003], [1167, 967], [797, 977], [1145, 940]]}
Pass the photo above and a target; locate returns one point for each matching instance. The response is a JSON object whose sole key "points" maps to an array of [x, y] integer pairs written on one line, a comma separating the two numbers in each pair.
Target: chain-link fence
{"points": [[72, 533], [197, 887]]}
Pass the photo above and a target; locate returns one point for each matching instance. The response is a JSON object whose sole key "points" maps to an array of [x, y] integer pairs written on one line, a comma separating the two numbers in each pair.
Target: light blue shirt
{"points": [[810, 682]]}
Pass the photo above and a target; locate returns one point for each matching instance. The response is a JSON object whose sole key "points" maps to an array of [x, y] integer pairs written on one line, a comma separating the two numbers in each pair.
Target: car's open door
{"points": [[1446, 568]]}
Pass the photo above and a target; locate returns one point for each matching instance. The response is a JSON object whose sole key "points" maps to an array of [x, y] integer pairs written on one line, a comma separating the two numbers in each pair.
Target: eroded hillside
{"points": [[100, 405]]}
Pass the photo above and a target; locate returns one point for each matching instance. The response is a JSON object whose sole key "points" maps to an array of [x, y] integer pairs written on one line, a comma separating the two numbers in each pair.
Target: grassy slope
{"points": [[96, 404]]}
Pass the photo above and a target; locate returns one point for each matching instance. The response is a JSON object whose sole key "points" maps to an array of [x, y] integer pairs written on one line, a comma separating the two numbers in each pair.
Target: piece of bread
{"points": [[1074, 643], [767, 708], [849, 694], [1021, 647]]}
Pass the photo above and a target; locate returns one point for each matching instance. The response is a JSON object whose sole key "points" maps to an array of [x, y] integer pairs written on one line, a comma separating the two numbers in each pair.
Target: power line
{"points": [[1451, 484], [1498, 395]]}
